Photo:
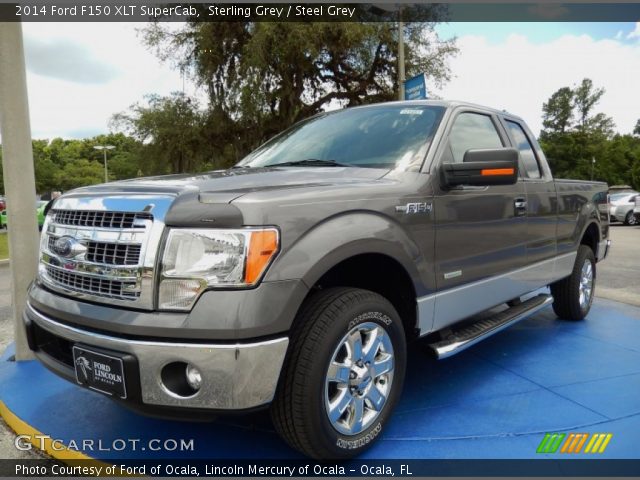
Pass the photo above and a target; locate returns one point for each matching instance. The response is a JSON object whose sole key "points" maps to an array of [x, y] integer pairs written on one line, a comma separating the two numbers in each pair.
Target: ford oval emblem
{"points": [[68, 247]]}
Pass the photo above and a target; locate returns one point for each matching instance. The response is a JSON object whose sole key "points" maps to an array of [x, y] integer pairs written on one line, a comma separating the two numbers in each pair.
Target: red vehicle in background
{"points": [[3, 204]]}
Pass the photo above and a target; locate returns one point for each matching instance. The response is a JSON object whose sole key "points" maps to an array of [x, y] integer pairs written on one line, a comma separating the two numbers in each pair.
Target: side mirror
{"points": [[485, 167]]}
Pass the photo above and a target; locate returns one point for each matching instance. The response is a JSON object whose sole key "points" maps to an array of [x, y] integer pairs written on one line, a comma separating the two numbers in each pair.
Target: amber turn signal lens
{"points": [[262, 247], [488, 172]]}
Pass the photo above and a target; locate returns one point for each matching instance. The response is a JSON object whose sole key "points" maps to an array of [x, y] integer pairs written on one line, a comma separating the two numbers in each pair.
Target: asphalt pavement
{"points": [[619, 275], [618, 280]]}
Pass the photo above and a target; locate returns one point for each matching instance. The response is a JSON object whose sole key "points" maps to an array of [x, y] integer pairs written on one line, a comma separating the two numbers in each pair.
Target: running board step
{"points": [[463, 338]]}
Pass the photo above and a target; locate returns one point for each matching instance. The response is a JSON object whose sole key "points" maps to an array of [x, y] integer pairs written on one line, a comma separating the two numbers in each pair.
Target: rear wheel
{"points": [[630, 219], [343, 373], [573, 296]]}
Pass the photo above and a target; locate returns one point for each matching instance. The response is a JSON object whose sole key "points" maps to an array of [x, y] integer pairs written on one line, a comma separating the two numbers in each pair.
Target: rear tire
{"points": [[573, 296], [343, 373]]}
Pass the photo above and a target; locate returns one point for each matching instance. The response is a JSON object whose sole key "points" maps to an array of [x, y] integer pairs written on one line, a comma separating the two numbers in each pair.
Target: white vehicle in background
{"points": [[622, 206]]}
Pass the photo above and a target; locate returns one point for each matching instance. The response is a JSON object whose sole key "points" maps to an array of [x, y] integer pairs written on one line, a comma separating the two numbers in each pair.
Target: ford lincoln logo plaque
{"points": [[68, 247]]}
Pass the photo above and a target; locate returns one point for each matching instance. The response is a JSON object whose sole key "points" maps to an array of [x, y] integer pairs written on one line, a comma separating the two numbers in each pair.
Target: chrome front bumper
{"points": [[234, 376]]}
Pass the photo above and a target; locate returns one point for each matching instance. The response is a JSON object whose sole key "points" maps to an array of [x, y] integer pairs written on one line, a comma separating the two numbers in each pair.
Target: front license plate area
{"points": [[99, 371]]}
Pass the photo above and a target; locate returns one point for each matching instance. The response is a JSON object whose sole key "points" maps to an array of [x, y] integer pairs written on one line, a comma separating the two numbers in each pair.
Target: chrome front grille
{"points": [[93, 218], [94, 285], [111, 253], [108, 253]]}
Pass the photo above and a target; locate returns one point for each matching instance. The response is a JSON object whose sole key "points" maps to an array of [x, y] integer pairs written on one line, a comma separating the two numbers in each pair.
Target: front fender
{"points": [[341, 237]]}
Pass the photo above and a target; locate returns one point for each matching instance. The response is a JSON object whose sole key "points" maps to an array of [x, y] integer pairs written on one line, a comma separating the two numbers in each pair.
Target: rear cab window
{"points": [[524, 146]]}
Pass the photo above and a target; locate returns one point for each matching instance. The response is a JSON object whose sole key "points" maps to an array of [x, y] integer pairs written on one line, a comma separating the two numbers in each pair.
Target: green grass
{"points": [[4, 246]]}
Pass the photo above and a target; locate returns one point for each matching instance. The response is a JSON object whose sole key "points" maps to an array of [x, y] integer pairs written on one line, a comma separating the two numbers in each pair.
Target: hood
{"points": [[224, 186], [206, 199]]}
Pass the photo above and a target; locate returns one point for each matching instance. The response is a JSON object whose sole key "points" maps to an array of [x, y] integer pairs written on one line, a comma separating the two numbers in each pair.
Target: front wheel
{"points": [[573, 296], [630, 219], [343, 373]]}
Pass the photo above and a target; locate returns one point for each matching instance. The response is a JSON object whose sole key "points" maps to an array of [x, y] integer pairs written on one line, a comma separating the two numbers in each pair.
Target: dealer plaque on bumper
{"points": [[100, 372]]}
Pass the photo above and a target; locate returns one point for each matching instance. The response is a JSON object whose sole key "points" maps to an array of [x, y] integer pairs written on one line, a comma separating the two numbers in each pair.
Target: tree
{"points": [[571, 145], [636, 129], [571, 109], [557, 112], [585, 98], [79, 173], [55, 161], [123, 165], [261, 77], [122, 161], [170, 130]]}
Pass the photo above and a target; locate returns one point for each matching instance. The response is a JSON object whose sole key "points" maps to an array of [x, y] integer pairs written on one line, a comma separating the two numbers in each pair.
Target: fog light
{"points": [[194, 377]]}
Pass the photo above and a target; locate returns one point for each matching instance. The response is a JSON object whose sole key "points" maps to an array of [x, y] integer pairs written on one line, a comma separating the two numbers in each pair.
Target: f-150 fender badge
{"points": [[410, 208]]}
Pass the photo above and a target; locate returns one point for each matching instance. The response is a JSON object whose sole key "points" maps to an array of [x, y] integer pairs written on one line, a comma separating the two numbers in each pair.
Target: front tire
{"points": [[573, 296], [343, 373], [630, 219]]}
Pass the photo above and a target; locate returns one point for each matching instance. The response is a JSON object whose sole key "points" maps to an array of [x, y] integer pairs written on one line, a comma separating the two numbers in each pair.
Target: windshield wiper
{"points": [[311, 162]]}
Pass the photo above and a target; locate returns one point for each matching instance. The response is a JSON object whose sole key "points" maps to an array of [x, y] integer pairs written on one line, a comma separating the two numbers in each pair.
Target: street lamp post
{"points": [[104, 149], [379, 9]]}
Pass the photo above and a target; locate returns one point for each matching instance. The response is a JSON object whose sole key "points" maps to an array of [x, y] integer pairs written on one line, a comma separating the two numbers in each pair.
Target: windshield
{"points": [[620, 196], [385, 136]]}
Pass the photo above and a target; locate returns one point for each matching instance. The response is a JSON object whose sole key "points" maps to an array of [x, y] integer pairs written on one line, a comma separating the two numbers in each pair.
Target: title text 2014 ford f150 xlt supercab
{"points": [[297, 277]]}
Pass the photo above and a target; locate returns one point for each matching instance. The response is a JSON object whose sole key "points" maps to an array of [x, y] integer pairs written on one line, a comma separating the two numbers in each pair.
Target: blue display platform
{"points": [[495, 400]]}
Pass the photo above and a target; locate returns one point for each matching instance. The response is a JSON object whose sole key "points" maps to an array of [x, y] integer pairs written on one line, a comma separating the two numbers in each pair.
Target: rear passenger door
{"points": [[480, 232], [541, 206]]}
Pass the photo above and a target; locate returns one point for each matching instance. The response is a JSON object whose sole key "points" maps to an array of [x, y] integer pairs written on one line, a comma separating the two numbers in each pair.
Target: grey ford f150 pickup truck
{"points": [[296, 278]]}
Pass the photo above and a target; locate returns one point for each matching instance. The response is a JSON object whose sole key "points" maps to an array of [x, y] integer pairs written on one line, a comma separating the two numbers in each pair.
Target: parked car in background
{"points": [[40, 204], [620, 189], [621, 207], [3, 204], [40, 207]]}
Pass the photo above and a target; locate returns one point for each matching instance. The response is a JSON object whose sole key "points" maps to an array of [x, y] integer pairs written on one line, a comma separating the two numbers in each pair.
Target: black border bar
{"points": [[130, 11]]}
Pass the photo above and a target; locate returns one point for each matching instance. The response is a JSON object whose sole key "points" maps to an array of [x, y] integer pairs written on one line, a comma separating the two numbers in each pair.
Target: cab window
{"points": [[471, 131], [529, 160]]}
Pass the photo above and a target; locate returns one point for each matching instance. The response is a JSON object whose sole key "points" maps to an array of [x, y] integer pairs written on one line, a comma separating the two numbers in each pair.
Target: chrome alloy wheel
{"points": [[358, 378], [586, 284]]}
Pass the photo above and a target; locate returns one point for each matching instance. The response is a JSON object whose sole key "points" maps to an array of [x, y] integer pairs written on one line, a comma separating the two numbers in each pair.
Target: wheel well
{"points": [[591, 237], [381, 274]]}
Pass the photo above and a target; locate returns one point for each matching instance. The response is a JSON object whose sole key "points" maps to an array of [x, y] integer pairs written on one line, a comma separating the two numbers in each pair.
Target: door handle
{"points": [[520, 206]]}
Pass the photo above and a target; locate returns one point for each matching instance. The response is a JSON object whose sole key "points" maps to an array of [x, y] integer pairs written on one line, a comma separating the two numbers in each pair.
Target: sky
{"points": [[80, 74], [517, 66]]}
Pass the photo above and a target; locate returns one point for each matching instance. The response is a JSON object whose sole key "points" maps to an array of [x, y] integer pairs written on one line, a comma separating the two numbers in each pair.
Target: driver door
{"points": [[481, 231]]}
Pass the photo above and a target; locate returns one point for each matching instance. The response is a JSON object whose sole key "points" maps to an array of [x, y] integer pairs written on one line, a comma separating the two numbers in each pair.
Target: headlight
{"points": [[195, 259]]}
